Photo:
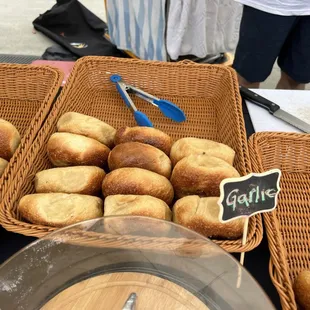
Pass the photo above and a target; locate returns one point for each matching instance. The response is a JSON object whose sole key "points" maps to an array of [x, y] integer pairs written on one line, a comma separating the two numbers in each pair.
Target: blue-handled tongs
{"points": [[169, 109]]}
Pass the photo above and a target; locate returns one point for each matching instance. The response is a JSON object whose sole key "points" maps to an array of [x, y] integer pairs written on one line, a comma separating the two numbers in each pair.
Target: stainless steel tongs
{"points": [[169, 109], [130, 302]]}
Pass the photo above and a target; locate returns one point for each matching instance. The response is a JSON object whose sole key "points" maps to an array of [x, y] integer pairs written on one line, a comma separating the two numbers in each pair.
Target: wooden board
{"points": [[110, 291]]}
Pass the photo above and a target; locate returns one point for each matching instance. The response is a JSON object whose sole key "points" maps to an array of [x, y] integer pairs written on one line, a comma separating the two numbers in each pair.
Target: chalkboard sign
{"points": [[249, 195]]}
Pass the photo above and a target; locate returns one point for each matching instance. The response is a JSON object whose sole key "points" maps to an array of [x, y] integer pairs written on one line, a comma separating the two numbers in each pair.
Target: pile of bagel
{"points": [[102, 171]]}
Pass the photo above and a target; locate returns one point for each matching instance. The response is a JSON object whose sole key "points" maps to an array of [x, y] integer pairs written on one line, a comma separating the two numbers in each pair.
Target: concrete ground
{"points": [[16, 30], [18, 36]]}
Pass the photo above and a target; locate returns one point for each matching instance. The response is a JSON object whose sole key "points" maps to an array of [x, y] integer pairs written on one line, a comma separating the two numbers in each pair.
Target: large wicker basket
{"points": [[288, 226], [208, 94], [26, 96]]}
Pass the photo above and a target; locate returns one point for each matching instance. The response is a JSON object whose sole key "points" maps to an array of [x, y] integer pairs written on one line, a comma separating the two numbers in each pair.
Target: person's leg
{"points": [[294, 58], [286, 82], [243, 82], [261, 38]]}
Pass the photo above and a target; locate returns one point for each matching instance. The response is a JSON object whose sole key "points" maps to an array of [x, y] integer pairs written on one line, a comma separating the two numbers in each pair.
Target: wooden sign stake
{"points": [[244, 238], [242, 255]]}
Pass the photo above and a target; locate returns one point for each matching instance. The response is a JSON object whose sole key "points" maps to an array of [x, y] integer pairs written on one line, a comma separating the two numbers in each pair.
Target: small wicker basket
{"points": [[288, 226], [27, 93], [209, 95]]}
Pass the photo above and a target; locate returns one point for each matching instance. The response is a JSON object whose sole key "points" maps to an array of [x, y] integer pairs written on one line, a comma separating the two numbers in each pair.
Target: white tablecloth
{"points": [[296, 102]]}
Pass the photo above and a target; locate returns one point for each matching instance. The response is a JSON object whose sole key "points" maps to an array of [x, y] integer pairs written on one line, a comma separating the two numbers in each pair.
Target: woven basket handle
{"points": [[287, 298]]}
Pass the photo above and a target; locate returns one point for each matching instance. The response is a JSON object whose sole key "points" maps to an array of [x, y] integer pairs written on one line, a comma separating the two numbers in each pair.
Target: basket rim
{"points": [[10, 223], [36, 122], [278, 269]]}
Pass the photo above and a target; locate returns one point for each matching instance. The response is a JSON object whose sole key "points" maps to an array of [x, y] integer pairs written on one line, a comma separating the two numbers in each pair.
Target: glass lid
{"points": [[103, 263]]}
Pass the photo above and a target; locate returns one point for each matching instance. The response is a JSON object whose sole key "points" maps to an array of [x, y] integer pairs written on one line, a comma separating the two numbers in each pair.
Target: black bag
{"points": [[73, 26], [58, 53]]}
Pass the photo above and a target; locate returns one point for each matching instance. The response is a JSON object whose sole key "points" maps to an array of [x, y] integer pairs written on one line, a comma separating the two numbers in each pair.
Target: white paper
{"points": [[295, 102]]}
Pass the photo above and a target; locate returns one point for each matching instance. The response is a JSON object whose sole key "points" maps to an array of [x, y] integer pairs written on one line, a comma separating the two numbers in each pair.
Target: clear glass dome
{"points": [[141, 254]]}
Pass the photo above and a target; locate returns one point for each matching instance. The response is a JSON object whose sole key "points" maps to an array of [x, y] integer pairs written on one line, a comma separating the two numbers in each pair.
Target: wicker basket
{"points": [[197, 89], [288, 226], [26, 96]]}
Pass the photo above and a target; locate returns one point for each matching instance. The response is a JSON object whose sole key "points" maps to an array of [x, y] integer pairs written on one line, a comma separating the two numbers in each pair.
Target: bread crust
{"points": [[145, 135], [88, 126], [139, 155], [200, 175], [3, 164], [202, 216], [67, 149], [9, 139], [194, 146], [58, 209], [302, 289], [137, 181], [72, 180], [139, 205]]}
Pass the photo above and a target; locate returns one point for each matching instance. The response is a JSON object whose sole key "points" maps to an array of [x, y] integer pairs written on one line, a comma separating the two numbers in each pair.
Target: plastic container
{"points": [[96, 265]]}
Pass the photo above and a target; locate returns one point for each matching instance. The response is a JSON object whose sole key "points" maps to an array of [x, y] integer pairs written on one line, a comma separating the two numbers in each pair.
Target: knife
{"points": [[274, 109]]}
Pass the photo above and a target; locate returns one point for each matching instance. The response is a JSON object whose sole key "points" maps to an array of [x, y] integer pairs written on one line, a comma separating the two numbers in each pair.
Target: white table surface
{"points": [[296, 102]]}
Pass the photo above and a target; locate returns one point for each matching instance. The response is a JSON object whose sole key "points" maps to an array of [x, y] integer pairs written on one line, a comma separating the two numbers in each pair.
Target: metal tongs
{"points": [[130, 302], [169, 109]]}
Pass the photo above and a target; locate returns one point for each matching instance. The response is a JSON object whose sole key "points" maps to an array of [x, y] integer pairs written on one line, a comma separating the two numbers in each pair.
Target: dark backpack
{"points": [[73, 26]]}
